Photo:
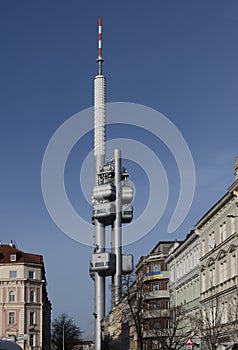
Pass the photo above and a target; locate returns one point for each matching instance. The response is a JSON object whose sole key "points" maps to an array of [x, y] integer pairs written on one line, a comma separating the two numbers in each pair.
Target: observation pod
{"points": [[104, 212], [126, 194], [103, 263], [126, 214], [127, 264], [104, 192]]}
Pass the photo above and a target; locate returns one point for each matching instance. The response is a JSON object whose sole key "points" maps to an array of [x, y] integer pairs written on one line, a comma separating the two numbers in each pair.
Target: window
{"points": [[233, 265], [155, 305], [32, 317], [31, 340], [31, 274], [154, 287], [155, 344], [233, 226], [13, 274], [224, 230], [155, 267], [221, 272], [32, 296], [13, 257], [11, 317], [11, 296]]}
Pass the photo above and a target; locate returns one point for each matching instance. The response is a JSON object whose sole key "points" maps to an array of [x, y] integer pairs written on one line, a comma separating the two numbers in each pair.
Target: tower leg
{"points": [[99, 285], [117, 232]]}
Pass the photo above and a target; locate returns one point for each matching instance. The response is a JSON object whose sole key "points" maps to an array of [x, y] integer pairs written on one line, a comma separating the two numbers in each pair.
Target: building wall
{"points": [[152, 272], [219, 268], [184, 271], [24, 305]]}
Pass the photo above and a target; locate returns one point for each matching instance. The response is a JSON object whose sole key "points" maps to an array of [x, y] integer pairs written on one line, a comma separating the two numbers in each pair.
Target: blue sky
{"points": [[177, 57]]}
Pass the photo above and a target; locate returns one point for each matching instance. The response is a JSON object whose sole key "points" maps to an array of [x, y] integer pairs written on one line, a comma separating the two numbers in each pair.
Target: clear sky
{"points": [[177, 57]]}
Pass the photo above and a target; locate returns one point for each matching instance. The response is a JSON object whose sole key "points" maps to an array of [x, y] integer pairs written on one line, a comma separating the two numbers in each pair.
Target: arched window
{"points": [[11, 295]]}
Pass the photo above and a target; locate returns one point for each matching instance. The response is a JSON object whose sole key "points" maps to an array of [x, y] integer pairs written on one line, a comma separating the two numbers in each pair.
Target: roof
{"points": [[21, 257]]}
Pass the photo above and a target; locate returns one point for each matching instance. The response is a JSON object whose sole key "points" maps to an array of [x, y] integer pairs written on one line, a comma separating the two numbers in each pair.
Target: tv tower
{"points": [[111, 201]]}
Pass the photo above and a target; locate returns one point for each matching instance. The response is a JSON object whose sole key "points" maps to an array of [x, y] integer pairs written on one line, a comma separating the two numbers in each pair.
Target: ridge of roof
{"points": [[7, 250]]}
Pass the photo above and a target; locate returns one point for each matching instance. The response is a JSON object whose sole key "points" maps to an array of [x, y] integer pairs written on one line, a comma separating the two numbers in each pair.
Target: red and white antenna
{"points": [[100, 59]]}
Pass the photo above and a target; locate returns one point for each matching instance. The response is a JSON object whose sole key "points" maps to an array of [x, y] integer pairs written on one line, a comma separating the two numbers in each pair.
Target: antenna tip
{"points": [[100, 59]]}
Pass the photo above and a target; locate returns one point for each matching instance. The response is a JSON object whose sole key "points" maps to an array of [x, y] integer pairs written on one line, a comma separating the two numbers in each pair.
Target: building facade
{"points": [[200, 274], [184, 278], [24, 305], [218, 230], [152, 275], [134, 322]]}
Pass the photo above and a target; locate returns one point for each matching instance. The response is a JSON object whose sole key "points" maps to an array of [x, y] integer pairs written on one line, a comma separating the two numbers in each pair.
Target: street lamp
{"points": [[63, 331]]}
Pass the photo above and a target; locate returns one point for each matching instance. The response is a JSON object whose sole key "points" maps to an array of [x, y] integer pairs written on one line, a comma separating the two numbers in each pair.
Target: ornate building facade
{"points": [[24, 305], [184, 277], [218, 230]]}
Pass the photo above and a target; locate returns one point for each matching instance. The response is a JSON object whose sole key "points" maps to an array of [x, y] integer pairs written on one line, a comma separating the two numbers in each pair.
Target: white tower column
{"points": [[117, 231]]}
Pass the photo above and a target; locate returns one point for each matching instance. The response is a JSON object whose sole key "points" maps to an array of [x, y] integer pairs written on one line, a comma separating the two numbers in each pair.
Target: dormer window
{"points": [[13, 257]]}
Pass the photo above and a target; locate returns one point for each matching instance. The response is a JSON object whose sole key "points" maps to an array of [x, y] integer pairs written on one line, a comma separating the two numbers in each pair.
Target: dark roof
{"points": [[7, 250]]}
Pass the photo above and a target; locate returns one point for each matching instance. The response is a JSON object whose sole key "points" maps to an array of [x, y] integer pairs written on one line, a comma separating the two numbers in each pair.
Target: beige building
{"points": [[152, 270], [144, 307], [218, 230], [24, 305]]}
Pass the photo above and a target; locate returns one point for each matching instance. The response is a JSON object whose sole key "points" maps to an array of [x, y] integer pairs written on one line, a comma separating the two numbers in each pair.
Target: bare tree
{"points": [[232, 318], [174, 325], [176, 328], [212, 324], [132, 306], [65, 333]]}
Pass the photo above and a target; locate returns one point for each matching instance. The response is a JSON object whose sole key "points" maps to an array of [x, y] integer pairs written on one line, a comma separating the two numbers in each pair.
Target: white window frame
{"points": [[13, 274], [11, 296], [11, 317]]}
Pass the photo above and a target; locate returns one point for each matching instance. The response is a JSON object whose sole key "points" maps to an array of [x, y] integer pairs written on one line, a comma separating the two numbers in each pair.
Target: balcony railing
{"points": [[157, 294], [156, 275], [156, 313]]}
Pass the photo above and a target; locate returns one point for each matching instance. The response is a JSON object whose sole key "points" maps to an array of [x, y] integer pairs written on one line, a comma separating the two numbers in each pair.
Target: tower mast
{"points": [[111, 206], [99, 157]]}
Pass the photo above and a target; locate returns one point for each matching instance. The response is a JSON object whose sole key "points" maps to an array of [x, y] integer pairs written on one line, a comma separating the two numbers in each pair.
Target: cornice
{"points": [[215, 216]]}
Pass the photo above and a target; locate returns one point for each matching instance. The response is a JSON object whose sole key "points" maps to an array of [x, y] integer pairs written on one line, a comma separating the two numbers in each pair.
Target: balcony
{"points": [[156, 275], [156, 313], [157, 294], [152, 333]]}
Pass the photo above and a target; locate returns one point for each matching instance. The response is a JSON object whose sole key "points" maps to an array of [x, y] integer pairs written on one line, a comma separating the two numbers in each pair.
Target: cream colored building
{"points": [[184, 277], [184, 272], [24, 305], [218, 230]]}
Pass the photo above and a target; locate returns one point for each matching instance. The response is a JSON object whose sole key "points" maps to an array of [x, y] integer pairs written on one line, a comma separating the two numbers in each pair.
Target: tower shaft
{"points": [[108, 205], [116, 231], [99, 159]]}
